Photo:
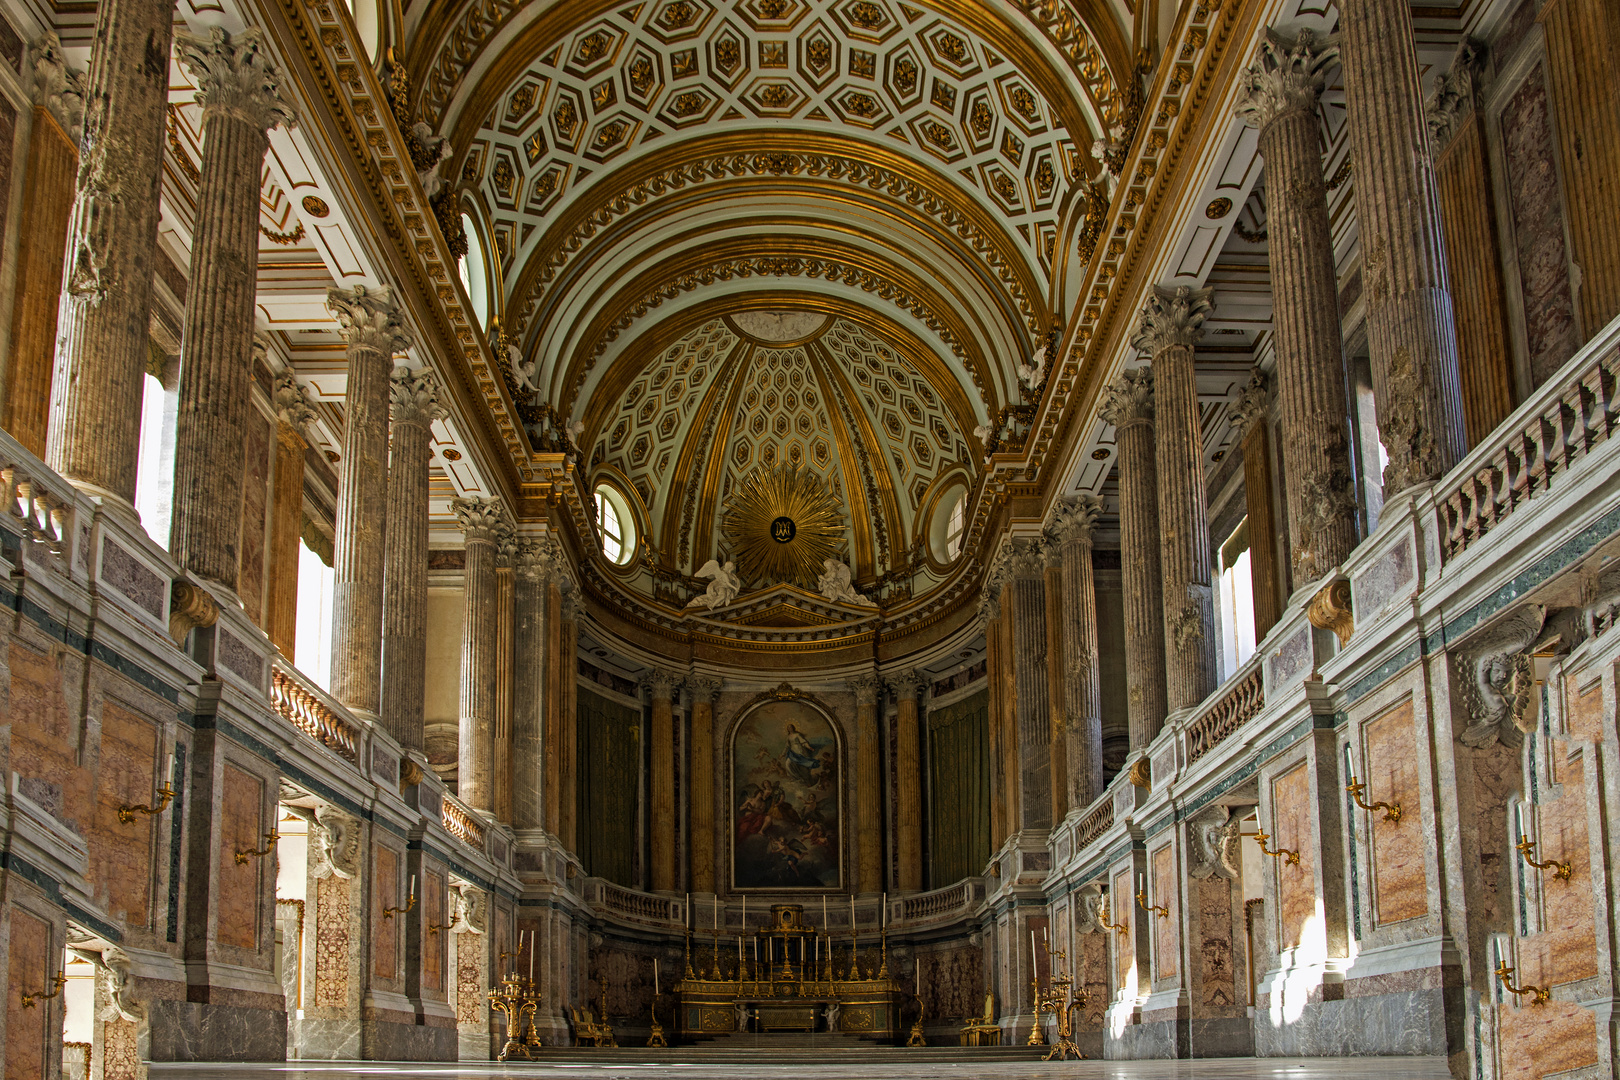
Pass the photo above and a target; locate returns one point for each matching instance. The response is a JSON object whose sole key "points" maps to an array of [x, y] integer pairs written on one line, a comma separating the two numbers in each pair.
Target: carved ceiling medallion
{"points": [[781, 524]]}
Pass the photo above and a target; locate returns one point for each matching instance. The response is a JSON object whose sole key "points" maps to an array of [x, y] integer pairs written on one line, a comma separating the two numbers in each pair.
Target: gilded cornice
{"points": [[826, 165], [357, 118]]}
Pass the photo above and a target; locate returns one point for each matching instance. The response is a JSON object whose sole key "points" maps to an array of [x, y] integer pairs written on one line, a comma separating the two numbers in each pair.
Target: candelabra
{"points": [[883, 968], [657, 1036], [1062, 998], [1035, 1038], [717, 975], [690, 974], [517, 1000], [854, 954]]}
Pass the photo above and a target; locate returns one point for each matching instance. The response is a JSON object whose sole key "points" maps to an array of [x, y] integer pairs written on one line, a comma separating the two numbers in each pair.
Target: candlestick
{"points": [[717, 913], [655, 978], [745, 913], [741, 965], [531, 957], [412, 890], [852, 911], [686, 913]]}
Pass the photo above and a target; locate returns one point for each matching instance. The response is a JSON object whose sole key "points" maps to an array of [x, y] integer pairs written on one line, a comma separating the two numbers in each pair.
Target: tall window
{"points": [[618, 528], [955, 526], [154, 463], [312, 647], [473, 276], [1237, 602]]}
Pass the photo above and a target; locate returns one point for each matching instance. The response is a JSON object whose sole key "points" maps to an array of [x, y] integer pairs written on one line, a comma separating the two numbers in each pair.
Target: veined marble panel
{"points": [[1400, 882]]}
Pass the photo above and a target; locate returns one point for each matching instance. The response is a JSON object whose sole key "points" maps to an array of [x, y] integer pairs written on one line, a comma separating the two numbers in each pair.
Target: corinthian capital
{"points": [[1253, 405], [370, 319], [235, 76], [865, 688], [1288, 76], [292, 401], [1454, 93], [703, 688], [1128, 399], [482, 520], [663, 683], [413, 397], [1075, 520], [534, 560], [58, 89], [1172, 317], [907, 684]]}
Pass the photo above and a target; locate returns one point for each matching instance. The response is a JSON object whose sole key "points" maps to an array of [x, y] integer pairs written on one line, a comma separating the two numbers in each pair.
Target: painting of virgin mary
{"points": [[785, 799]]}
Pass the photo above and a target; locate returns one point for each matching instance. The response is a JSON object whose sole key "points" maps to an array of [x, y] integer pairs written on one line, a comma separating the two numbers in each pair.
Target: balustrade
{"points": [[303, 707]]}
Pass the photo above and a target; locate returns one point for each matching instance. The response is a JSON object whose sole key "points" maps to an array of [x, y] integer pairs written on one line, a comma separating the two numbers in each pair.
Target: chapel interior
{"points": [[973, 529]]}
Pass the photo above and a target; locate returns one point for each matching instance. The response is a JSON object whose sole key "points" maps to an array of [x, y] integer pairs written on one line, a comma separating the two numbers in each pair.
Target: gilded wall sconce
{"points": [[244, 854], [1102, 919], [29, 1000], [1161, 912], [1392, 811], [1291, 857], [126, 814], [410, 905], [1538, 994], [1561, 869]]}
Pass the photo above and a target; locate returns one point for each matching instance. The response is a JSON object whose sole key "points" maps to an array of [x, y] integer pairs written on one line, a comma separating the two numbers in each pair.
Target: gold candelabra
{"points": [[1062, 998], [244, 854], [1035, 1024], [1561, 869], [717, 974], [854, 954], [517, 1000], [1291, 857], [1538, 994], [1392, 811], [690, 974], [126, 814]]}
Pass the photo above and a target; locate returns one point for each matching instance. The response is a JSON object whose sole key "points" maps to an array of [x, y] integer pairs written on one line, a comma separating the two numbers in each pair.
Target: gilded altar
{"points": [[788, 977]]}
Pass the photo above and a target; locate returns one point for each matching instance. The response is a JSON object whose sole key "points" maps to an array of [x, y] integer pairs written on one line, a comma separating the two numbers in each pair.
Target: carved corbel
{"points": [[1215, 835], [1331, 609], [1501, 668], [337, 839], [1140, 773], [468, 907], [189, 607], [1088, 902]]}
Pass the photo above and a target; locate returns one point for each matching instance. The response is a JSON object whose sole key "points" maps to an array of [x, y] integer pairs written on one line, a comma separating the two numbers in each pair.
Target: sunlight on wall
{"points": [[1302, 970]]}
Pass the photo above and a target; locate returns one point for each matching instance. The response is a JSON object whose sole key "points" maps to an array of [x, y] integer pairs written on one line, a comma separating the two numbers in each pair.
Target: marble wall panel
{"points": [[1092, 973], [434, 903], [1214, 979], [29, 967], [121, 1050], [1543, 1040], [1119, 912], [1566, 948], [951, 983], [629, 979], [241, 809], [1291, 813], [331, 942], [255, 497], [45, 732], [1166, 930], [385, 932], [470, 1001], [121, 855], [1583, 709], [1400, 881]]}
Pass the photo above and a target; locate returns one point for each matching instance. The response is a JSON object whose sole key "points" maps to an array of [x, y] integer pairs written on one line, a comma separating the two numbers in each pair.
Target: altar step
{"points": [[787, 1049]]}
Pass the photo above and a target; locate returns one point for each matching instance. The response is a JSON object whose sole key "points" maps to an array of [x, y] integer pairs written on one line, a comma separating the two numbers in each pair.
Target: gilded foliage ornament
{"points": [[783, 524]]}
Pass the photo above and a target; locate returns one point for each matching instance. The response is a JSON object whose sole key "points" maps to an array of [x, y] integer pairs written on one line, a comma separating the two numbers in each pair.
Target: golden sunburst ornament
{"points": [[781, 524]]}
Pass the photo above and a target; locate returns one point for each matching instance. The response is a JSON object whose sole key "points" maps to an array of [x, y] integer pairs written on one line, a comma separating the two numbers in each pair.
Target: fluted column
{"points": [[505, 616], [1023, 602], [372, 333], [1056, 658], [663, 685], [293, 417], [908, 782], [568, 719], [1410, 333], [552, 722], [1127, 404], [414, 399], [1172, 322], [701, 771], [238, 87], [1280, 98], [997, 684], [1073, 523], [532, 564], [53, 158], [1251, 419], [868, 784], [483, 524], [95, 425]]}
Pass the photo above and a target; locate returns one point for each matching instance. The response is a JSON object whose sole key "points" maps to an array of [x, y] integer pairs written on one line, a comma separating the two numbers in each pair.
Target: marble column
{"points": [[996, 683], [663, 686], [239, 89], [372, 332], [1074, 521], [868, 784], [1410, 333], [414, 398], [53, 158], [1056, 657], [483, 523], [101, 349], [500, 769], [293, 418], [908, 782], [704, 690], [1127, 404], [568, 719], [1251, 418], [1172, 322], [552, 721], [1279, 98], [531, 605], [1023, 603]]}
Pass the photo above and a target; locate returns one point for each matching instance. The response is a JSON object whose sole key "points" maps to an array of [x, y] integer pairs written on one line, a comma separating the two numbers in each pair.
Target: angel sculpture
{"points": [[834, 584], [724, 585], [439, 151], [1030, 374], [522, 372]]}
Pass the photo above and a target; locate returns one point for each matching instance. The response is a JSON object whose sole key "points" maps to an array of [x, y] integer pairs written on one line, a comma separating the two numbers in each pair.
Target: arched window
{"points": [[474, 275], [947, 525], [618, 527], [956, 526], [367, 20]]}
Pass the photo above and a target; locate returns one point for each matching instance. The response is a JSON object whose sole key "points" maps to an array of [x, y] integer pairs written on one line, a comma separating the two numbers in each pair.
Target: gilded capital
{"points": [[292, 402], [865, 688], [58, 89], [1074, 520], [907, 684], [413, 397], [1253, 405], [481, 520], [703, 688], [236, 77], [663, 683], [1172, 317], [370, 319], [1128, 399], [1288, 76]]}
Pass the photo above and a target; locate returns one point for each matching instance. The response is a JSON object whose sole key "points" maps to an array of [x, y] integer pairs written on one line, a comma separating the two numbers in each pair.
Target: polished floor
{"points": [[881, 1067]]}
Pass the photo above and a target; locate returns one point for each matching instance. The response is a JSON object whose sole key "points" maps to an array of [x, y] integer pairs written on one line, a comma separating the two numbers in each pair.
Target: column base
{"points": [[390, 1030], [230, 1025]]}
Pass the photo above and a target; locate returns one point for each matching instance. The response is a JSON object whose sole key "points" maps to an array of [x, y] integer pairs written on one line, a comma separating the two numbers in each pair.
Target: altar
{"points": [[799, 980]]}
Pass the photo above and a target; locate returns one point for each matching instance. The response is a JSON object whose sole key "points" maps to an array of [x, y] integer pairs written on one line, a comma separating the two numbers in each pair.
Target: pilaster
{"points": [[483, 524], [1070, 531]]}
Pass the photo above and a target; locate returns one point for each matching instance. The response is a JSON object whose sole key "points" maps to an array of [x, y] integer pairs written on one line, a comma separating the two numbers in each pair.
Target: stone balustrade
{"points": [[949, 902], [312, 712], [460, 822], [1232, 704]]}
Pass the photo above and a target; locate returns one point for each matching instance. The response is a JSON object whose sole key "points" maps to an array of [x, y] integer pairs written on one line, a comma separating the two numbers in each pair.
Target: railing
{"points": [[1569, 416], [303, 708], [637, 905], [1094, 824], [44, 514], [939, 902], [461, 823], [1243, 700]]}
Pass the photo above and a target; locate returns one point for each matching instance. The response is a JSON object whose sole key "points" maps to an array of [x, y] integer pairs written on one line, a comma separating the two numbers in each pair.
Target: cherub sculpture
{"points": [[834, 584], [724, 584]]}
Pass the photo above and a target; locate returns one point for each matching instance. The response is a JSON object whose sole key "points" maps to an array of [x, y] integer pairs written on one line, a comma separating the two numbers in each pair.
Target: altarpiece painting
{"points": [[785, 799]]}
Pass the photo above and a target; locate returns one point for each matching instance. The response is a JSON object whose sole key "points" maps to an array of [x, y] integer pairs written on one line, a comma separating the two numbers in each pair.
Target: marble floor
{"points": [[876, 1069]]}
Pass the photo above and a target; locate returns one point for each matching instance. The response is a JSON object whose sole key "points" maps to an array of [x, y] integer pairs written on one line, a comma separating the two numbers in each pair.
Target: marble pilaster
{"points": [[908, 782], [868, 784], [532, 609], [501, 740], [238, 86], [373, 332], [1056, 654], [1023, 603], [1251, 417], [293, 417], [1280, 95], [1127, 404], [1172, 323], [483, 524], [663, 687], [567, 716], [1070, 533], [702, 788], [101, 346], [414, 401], [1410, 331]]}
